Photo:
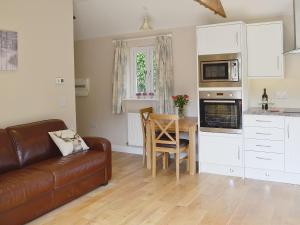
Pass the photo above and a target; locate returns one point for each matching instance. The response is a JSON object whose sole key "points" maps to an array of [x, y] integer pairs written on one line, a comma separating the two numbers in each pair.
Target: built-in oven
{"points": [[222, 70], [221, 111]]}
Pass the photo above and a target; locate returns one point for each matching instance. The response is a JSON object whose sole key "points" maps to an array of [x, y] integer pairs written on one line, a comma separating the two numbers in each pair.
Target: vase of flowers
{"points": [[180, 101]]}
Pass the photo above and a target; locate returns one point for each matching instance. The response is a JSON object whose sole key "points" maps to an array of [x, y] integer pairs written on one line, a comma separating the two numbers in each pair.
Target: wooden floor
{"points": [[134, 198]]}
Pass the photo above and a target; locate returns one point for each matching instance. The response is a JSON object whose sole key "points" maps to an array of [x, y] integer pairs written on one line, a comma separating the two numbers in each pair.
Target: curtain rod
{"points": [[142, 38]]}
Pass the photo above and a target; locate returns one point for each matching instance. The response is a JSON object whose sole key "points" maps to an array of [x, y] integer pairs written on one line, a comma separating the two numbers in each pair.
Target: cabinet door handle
{"points": [[237, 38], [267, 174], [267, 134], [239, 152], [278, 62], [264, 146], [288, 131], [263, 121], [262, 158]]}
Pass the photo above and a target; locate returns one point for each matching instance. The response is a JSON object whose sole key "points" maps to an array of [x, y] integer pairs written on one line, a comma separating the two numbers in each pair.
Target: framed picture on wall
{"points": [[8, 50]]}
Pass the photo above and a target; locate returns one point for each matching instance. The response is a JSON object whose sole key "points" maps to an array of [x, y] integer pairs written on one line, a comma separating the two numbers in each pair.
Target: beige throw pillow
{"points": [[68, 141]]}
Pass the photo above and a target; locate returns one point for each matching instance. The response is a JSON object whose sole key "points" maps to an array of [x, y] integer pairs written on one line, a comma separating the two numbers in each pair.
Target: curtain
{"points": [[120, 72], [165, 83]]}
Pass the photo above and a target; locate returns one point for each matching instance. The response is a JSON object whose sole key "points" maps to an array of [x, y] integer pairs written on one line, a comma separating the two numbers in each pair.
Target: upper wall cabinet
{"points": [[219, 38], [265, 49]]}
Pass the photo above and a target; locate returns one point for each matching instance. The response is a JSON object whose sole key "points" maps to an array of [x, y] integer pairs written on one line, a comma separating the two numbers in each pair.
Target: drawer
{"points": [[264, 133], [264, 146], [264, 121], [269, 175], [263, 160]]}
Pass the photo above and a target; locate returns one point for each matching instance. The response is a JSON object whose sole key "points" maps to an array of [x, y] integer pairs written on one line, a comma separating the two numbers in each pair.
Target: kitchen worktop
{"points": [[292, 112]]}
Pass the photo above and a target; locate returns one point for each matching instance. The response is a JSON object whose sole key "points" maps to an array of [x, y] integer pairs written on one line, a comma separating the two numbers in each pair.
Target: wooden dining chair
{"points": [[164, 140], [145, 114]]}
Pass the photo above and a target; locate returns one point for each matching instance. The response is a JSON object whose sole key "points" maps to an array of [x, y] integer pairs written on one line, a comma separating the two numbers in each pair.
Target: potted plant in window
{"points": [[138, 95], [180, 101], [151, 94]]}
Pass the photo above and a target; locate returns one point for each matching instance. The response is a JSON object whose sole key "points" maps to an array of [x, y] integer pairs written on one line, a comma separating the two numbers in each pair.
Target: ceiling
{"points": [[97, 18]]}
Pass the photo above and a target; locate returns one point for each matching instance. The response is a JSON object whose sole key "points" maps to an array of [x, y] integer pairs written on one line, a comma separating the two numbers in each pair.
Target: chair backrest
{"points": [[163, 127], [145, 115]]}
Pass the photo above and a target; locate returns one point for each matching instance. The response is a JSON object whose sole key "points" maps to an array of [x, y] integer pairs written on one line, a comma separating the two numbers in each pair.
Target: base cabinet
{"points": [[234, 171], [265, 174], [292, 145], [263, 160], [272, 175], [221, 153], [272, 148]]}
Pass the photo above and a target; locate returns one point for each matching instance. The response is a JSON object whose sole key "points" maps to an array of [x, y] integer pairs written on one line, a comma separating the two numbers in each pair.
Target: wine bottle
{"points": [[264, 100]]}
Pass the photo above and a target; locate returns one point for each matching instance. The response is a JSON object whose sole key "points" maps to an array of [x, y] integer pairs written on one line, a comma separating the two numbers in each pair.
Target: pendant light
{"points": [[146, 24], [146, 20]]}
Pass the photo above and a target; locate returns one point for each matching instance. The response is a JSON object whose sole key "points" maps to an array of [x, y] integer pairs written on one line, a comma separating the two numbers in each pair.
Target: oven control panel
{"points": [[220, 95]]}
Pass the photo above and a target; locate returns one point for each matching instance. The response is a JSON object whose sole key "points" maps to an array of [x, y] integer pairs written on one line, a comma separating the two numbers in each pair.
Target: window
{"points": [[143, 71]]}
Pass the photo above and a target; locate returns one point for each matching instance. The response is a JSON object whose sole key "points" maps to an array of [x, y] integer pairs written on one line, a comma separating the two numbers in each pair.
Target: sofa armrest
{"points": [[97, 143], [101, 144]]}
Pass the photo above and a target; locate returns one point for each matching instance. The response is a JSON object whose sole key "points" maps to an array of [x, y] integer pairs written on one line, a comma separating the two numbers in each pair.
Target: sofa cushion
{"points": [[19, 186], [72, 168], [32, 141], [8, 156]]}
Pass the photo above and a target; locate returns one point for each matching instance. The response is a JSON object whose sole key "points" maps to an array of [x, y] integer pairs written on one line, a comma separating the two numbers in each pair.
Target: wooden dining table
{"points": [[187, 125]]}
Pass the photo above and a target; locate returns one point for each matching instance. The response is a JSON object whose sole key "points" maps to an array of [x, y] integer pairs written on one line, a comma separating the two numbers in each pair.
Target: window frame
{"points": [[149, 62]]}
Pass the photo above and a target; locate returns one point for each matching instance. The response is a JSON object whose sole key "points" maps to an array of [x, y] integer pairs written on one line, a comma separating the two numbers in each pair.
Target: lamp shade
{"points": [[146, 25]]}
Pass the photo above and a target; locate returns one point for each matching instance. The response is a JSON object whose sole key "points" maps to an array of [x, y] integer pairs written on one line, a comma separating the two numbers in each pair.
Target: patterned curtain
{"points": [[120, 75], [165, 83]]}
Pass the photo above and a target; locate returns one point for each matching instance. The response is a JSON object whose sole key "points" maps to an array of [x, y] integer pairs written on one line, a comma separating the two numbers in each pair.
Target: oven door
{"points": [[221, 115]]}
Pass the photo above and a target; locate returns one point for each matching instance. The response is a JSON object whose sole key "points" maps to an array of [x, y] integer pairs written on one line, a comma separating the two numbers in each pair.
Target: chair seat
{"points": [[183, 143], [183, 155]]}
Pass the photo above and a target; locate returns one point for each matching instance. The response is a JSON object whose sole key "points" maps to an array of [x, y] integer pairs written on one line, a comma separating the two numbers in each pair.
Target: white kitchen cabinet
{"points": [[220, 149], [269, 175], [264, 160], [265, 49], [219, 38], [264, 121], [264, 133], [264, 147], [292, 145]]}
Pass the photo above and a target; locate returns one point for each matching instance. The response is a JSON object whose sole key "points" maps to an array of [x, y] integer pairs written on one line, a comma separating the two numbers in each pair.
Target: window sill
{"points": [[140, 99]]}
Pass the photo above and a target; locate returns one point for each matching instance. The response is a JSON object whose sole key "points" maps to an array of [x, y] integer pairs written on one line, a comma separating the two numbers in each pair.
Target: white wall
{"points": [[94, 59], [46, 51], [291, 81]]}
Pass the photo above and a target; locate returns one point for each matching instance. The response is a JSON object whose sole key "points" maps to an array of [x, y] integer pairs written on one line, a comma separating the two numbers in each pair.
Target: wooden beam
{"points": [[214, 5]]}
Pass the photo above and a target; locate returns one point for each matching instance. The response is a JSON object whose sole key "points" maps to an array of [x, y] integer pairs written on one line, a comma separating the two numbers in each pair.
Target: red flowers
{"points": [[180, 100]]}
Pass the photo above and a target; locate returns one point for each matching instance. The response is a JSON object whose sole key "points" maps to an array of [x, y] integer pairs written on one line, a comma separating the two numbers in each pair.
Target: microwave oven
{"points": [[220, 70]]}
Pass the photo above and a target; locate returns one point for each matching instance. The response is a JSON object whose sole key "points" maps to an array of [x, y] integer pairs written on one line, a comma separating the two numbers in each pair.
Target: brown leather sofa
{"points": [[35, 178]]}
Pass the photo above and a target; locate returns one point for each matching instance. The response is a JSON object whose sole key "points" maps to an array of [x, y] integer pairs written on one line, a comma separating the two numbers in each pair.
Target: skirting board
{"points": [[127, 149]]}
